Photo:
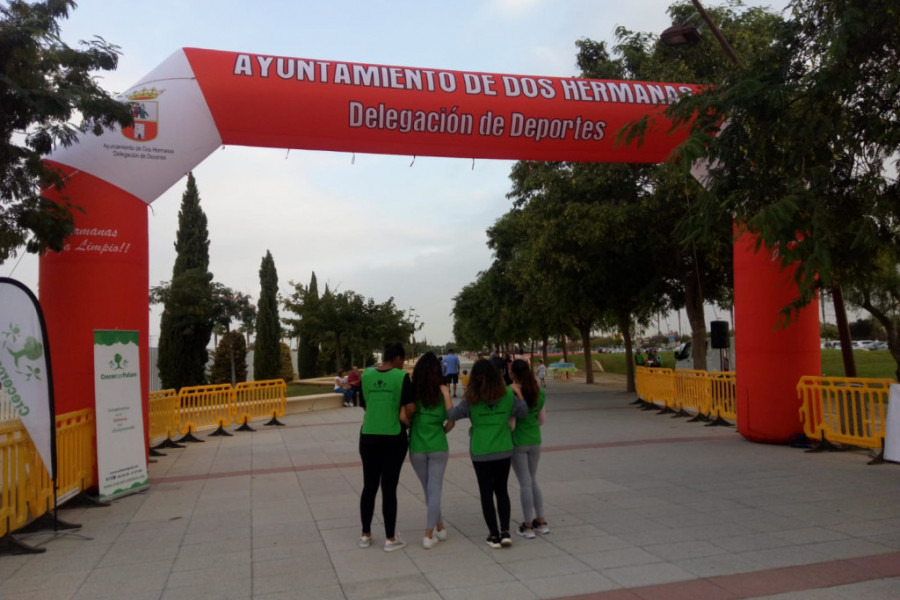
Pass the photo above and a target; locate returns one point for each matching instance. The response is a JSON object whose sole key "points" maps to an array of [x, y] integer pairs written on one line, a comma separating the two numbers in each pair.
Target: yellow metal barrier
{"points": [[723, 402], [16, 449], [163, 418], [205, 406], [642, 382], [254, 400], [26, 490], [661, 386], [692, 391], [846, 410]]}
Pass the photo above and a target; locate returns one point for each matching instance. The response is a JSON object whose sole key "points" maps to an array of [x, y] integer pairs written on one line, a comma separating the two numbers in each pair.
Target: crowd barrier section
{"points": [[844, 410], [26, 490], [661, 388], [256, 400], [723, 398], [163, 420], [7, 411], [204, 407], [692, 392], [642, 384]]}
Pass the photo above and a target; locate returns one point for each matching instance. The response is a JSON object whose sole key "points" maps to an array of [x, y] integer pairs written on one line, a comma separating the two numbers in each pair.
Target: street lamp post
{"points": [[687, 33]]}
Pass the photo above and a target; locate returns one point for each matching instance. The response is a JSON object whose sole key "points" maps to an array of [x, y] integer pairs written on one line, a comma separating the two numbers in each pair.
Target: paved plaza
{"points": [[640, 505]]}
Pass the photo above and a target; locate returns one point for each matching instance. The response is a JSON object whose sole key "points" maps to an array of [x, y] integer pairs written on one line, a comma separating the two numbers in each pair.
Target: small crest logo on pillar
{"points": [[145, 110]]}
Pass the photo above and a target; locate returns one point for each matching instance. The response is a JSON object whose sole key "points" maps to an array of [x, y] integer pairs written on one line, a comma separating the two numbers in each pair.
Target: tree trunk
{"points": [[585, 331], [693, 306], [625, 329], [565, 348], [840, 315], [892, 328], [545, 342]]}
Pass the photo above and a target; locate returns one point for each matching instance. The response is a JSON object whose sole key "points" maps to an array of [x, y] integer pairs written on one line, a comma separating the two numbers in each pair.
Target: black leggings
{"points": [[382, 457], [493, 476]]}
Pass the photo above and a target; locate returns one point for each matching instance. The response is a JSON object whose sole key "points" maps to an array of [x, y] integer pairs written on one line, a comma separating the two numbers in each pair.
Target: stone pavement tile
{"points": [[752, 541], [207, 561], [682, 550], [307, 580], [213, 589], [136, 552], [222, 535], [848, 548], [763, 583], [572, 584], [51, 583], [784, 557], [490, 591], [641, 575], [665, 535], [334, 592], [452, 575], [721, 564], [539, 568], [698, 589], [114, 595], [585, 539], [210, 576], [151, 577], [621, 557], [406, 586]]}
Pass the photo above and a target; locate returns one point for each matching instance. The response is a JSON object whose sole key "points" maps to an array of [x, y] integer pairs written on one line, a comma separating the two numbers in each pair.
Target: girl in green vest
{"points": [[527, 452], [428, 448], [489, 405], [386, 394]]}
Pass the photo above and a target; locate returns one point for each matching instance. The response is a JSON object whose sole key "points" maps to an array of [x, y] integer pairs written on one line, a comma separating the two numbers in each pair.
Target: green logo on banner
{"points": [[30, 349]]}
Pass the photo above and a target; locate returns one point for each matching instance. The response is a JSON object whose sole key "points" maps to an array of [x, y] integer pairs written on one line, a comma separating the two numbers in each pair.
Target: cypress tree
{"points": [[308, 345], [186, 323], [267, 351], [231, 345]]}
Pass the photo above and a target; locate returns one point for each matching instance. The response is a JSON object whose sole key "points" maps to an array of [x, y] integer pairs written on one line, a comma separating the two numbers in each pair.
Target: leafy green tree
{"points": [[229, 359], [44, 83], [304, 303], [187, 319], [806, 160], [267, 351]]}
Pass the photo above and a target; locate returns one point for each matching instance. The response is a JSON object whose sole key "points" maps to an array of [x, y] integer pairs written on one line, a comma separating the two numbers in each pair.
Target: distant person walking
{"points": [[542, 373], [386, 394], [428, 448], [489, 405], [527, 452], [451, 374]]}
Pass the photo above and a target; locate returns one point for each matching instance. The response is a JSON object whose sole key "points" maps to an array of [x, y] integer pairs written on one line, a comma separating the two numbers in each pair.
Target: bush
{"points": [[221, 367], [287, 365]]}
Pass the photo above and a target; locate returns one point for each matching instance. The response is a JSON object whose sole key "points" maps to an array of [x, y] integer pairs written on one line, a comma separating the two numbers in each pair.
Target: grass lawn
{"points": [[877, 364], [307, 389]]}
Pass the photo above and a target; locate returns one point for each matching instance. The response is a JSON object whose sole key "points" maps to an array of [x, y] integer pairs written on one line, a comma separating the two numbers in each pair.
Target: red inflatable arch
{"points": [[199, 100]]}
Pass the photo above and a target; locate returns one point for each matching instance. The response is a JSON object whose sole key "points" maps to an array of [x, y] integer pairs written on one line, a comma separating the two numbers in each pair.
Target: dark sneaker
{"points": [[494, 542], [526, 531], [505, 540]]}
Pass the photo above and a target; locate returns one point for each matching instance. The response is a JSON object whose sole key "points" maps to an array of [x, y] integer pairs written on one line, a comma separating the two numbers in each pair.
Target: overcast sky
{"points": [[383, 226]]}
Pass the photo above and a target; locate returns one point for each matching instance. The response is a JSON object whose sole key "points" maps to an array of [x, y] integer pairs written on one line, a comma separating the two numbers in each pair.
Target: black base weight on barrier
{"points": [[245, 427], [189, 437], [274, 422], [10, 545], [665, 411], [155, 452], [825, 446], [681, 413], [220, 432], [637, 401], [699, 417], [719, 422], [48, 522], [167, 444]]}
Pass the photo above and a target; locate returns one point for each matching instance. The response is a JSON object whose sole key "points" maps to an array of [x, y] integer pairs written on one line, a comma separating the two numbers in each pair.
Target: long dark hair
{"points": [[522, 372], [426, 378], [485, 383]]}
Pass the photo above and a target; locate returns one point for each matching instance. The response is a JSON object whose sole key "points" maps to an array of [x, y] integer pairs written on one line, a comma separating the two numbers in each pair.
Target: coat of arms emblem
{"points": [[145, 109]]}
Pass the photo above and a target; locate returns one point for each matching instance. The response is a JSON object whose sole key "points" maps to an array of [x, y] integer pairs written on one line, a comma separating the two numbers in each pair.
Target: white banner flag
{"points": [[25, 367], [121, 452]]}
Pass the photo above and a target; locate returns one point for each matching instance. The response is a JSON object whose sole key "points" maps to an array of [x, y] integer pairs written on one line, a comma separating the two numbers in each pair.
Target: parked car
{"points": [[879, 346]]}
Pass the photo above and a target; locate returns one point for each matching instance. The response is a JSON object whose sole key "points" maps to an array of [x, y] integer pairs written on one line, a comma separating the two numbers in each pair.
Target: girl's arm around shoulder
{"points": [[460, 411], [520, 409], [448, 404], [542, 416]]}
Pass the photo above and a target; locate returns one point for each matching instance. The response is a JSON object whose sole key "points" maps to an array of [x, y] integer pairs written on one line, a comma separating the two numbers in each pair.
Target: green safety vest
{"points": [[490, 431], [381, 392], [427, 430], [528, 430]]}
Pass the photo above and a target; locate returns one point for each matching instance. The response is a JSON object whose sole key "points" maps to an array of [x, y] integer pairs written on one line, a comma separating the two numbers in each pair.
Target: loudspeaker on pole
{"points": [[718, 332]]}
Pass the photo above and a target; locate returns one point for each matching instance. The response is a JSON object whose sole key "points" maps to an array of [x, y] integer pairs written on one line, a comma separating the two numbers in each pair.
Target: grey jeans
{"points": [[524, 463], [430, 467]]}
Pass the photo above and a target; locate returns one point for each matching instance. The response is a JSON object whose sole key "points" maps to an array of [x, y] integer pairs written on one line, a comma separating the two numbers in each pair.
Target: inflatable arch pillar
{"points": [[199, 100]]}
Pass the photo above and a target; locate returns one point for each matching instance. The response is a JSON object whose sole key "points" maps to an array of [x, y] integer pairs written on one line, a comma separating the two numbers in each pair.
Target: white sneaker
{"points": [[365, 541], [541, 528], [429, 542], [390, 546], [440, 534]]}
